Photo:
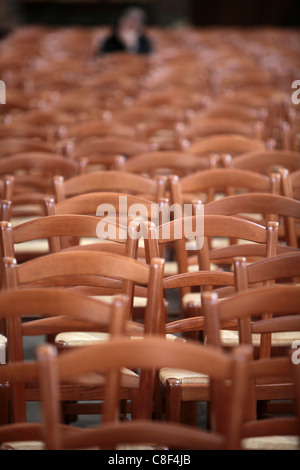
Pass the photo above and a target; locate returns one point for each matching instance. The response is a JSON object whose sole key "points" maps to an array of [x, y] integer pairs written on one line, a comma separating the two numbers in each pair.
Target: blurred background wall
{"points": [[160, 12]]}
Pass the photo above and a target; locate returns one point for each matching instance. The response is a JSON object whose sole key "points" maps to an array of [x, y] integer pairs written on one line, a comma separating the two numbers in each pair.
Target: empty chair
{"points": [[44, 235], [24, 130], [165, 162], [112, 207], [96, 128], [110, 180], [230, 111], [213, 126], [249, 307], [275, 432], [266, 161], [190, 234], [147, 355], [225, 144], [282, 269], [261, 204], [10, 146], [207, 184], [33, 171], [111, 273], [101, 151], [32, 179], [52, 311]]}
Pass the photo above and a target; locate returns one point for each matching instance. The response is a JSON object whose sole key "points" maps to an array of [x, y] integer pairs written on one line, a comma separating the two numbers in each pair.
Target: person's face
{"points": [[128, 32], [130, 24]]}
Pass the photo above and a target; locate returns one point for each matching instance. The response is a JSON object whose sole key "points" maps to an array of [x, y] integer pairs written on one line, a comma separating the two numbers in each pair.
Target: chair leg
{"points": [[173, 400], [68, 418], [192, 413], [4, 403], [262, 410]]}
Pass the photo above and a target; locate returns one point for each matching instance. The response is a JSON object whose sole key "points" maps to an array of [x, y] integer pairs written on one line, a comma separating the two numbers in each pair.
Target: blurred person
{"points": [[128, 35], [9, 17]]}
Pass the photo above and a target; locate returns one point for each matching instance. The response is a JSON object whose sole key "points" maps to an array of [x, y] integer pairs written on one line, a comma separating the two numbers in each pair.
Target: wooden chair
{"points": [[31, 180], [275, 432], [213, 126], [275, 205], [11, 145], [33, 171], [87, 281], [44, 235], [180, 389], [24, 130], [165, 162], [148, 355], [249, 308], [281, 269], [134, 115], [52, 310], [51, 119], [110, 180], [108, 272], [231, 144], [243, 78], [183, 229], [207, 184], [102, 150], [265, 161], [96, 128], [112, 207]]}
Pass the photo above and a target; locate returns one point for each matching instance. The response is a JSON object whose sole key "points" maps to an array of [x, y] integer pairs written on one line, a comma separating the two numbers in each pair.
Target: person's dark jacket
{"points": [[113, 44]]}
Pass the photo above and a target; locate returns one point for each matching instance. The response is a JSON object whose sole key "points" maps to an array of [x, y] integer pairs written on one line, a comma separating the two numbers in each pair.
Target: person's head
{"points": [[132, 19]]}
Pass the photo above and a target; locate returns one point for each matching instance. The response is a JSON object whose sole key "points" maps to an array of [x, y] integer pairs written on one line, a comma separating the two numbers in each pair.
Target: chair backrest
{"points": [[229, 111], [145, 114], [165, 162], [258, 203], [227, 181], [149, 354], [32, 174], [213, 126], [281, 301], [96, 128], [23, 130], [226, 143], [52, 229], [281, 268], [267, 160], [49, 118], [12, 145], [97, 148], [201, 228], [287, 427], [210, 225], [290, 183], [111, 208], [110, 180], [44, 164], [50, 311], [103, 272]]}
